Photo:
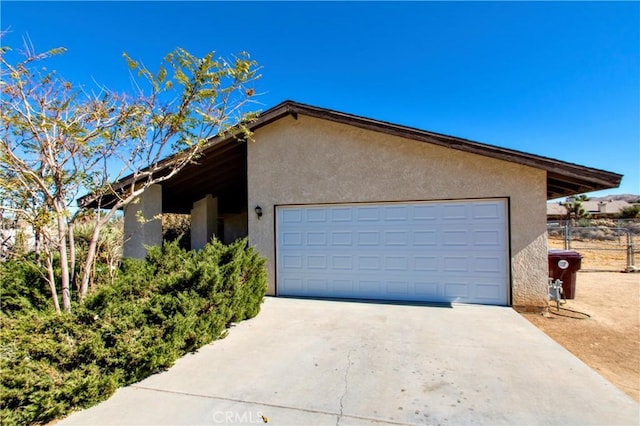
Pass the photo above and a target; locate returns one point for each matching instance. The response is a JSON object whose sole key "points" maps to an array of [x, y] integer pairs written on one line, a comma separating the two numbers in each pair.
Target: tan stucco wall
{"points": [[204, 217], [235, 226], [142, 223], [309, 161]]}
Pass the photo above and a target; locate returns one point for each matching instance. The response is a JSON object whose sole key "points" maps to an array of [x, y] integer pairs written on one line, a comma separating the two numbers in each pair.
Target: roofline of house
{"points": [[549, 164], [556, 169]]}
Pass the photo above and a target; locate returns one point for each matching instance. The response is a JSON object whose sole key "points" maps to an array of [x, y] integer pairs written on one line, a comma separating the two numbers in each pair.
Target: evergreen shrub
{"points": [[155, 311]]}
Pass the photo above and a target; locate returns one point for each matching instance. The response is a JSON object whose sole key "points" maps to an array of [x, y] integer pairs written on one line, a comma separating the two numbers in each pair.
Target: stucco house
{"points": [[344, 206], [597, 209]]}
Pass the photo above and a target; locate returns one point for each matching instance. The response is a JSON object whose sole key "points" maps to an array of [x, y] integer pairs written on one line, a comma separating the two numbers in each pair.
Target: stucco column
{"points": [[204, 219], [142, 223]]}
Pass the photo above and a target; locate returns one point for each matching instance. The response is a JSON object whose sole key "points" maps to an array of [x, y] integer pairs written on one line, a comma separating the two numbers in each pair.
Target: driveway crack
{"points": [[346, 387]]}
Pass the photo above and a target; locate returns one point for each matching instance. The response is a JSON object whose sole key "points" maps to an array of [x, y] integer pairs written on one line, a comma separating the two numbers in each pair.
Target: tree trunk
{"points": [[87, 268], [64, 259], [72, 257], [90, 259], [52, 285], [37, 236]]}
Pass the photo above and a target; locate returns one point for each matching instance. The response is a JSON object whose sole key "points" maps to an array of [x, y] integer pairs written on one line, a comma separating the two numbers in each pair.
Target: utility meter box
{"points": [[563, 265]]}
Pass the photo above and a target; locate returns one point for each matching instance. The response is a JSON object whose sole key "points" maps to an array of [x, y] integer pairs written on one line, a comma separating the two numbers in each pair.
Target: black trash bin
{"points": [[573, 261]]}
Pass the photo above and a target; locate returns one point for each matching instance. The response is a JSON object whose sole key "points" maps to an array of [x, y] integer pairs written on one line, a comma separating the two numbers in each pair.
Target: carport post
{"points": [[204, 218], [142, 223]]}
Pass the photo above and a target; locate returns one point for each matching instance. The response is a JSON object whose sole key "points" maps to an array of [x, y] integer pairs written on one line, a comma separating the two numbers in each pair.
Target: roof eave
{"points": [[569, 179], [586, 179]]}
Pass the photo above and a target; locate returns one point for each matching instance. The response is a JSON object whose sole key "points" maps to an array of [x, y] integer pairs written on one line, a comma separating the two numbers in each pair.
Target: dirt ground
{"points": [[609, 339]]}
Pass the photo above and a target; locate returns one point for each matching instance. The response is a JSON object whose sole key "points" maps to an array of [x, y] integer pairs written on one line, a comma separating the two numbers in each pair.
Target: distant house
{"points": [[12, 233], [596, 209]]}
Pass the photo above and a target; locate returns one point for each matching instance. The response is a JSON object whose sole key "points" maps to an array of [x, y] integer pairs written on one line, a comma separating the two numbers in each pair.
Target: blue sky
{"points": [[560, 80]]}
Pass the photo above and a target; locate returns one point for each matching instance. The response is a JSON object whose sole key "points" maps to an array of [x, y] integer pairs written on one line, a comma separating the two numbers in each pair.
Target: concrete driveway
{"points": [[330, 362]]}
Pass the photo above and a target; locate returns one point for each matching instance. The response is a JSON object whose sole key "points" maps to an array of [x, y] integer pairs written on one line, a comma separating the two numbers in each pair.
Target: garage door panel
{"points": [[342, 288], [291, 262], [319, 286], [396, 213], [372, 287], [488, 290], [425, 238], [367, 214], [292, 285], [292, 239], [396, 263], [318, 261], [445, 290], [368, 238], [293, 215], [487, 238], [426, 263], [316, 215], [488, 264], [369, 263], [427, 290], [341, 238], [342, 262], [399, 289], [396, 238], [316, 238], [454, 212], [425, 213], [441, 252], [456, 290], [390, 265], [455, 264], [487, 211], [455, 237], [341, 214]]}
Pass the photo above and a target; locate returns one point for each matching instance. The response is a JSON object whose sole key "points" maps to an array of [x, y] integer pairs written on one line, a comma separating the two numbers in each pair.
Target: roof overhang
{"points": [[223, 161], [563, 179], [221, 170]]}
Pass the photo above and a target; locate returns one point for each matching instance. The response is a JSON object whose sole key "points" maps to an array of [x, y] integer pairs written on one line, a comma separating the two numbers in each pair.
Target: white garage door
{"points": [[419, 251]]}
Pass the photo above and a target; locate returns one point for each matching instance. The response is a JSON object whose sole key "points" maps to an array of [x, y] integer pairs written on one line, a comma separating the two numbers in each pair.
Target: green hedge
{"points": [[156, 311]]}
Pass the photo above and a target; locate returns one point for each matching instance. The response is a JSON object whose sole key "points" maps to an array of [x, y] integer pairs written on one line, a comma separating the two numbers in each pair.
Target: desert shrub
{"points": [[177, 227], [155, 311], [609, 223], [633, 226], [23, 287], [43, 372], [582, 222], [108, 250], [631, 212], [599, 233], [555, 232]]}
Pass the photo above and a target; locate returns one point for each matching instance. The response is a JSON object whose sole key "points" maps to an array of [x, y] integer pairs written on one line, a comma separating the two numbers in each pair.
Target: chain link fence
{"points": [[605, 245]]}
